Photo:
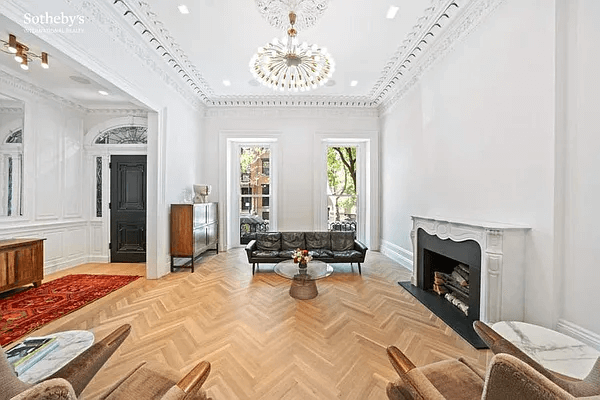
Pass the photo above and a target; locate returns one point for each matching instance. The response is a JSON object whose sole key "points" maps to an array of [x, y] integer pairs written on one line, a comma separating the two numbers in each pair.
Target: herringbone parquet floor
{"points": [[262, 343]]}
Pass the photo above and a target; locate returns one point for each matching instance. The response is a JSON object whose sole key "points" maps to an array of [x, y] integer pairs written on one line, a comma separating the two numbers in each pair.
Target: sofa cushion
{"points": [[286, 253], [341, 241], [317, 240], [347, 254], [292, 241], [320, 253], [269, 241], [265, 253]]}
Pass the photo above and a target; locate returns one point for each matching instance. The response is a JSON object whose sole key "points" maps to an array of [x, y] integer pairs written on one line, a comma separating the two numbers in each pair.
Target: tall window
{"points": [[255, 180], [342, 197]]}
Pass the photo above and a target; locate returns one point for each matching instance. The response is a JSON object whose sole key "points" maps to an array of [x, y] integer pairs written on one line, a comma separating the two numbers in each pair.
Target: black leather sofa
{"points": [[329, 247]]}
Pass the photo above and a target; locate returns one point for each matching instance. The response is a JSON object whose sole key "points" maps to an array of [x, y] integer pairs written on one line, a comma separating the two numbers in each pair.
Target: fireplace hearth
{"points": [[490, 256]]}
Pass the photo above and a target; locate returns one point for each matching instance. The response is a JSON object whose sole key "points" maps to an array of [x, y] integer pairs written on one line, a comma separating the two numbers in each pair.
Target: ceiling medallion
{"points": [[307, 11], [289, 65]]}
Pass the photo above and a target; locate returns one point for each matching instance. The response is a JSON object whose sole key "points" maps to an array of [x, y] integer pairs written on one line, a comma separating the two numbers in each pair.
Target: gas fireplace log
{"points": [[440, 289], [458, 303], [458, 278], [464, 269], [455, 287]]}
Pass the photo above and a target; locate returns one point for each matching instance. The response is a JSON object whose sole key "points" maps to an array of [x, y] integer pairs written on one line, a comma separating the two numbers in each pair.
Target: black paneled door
{"points": [[128, 209]]}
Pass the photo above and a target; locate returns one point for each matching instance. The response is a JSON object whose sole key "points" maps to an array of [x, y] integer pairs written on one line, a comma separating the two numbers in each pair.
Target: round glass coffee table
{"points": [[303, 286]]}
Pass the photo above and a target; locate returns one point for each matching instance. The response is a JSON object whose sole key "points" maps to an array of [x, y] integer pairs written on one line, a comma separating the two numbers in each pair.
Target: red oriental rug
{"points": [[29, 310]]}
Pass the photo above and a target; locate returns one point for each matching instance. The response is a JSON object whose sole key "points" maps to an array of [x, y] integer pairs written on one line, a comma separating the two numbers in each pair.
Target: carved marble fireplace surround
{"points": [[502, 262]]}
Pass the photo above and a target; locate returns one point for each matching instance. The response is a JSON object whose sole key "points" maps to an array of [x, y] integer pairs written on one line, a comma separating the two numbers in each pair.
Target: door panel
{"points": [[128, 209]]}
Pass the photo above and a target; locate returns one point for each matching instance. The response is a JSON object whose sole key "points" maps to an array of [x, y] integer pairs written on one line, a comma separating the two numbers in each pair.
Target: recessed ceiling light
{"points": [[103, 92], [353, 83], [226, 82], [330, 83], [183, 9], [253, 82], [392, 11], [80, 79]]}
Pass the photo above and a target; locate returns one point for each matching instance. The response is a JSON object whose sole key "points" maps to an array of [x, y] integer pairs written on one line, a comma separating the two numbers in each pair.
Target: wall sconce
{"points": [[22, 53]]}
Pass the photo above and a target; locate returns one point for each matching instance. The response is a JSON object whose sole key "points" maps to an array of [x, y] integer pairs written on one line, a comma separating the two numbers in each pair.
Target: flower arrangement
{"points": [[301, 257]]}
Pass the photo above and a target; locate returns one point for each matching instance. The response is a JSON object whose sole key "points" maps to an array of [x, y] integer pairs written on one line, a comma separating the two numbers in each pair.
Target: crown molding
{"points": [[102, 15], [128, 112], [468, 18], [154, 33], [22, 85], [411, 47], [11, 110], [292, 100], [287, 111]]}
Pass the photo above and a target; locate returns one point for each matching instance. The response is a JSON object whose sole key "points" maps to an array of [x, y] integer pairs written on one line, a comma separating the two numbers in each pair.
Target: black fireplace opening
{"points": [[448, 282]]}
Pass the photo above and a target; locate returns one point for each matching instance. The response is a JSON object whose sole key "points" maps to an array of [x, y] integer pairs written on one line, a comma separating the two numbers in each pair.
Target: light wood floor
{"points": [[263, 344]]}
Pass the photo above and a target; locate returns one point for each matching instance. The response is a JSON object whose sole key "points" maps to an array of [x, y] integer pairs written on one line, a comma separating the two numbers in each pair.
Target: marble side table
{"points": [[70, 345], [554, 350]]}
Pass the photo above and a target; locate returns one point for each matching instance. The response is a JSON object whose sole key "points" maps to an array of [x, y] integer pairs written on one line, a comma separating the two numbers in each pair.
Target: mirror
{"points": [[11, 156]]}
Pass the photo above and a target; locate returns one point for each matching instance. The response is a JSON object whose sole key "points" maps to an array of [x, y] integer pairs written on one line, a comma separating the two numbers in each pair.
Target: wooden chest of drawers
{"points": [[21, 263], [194, 229]]}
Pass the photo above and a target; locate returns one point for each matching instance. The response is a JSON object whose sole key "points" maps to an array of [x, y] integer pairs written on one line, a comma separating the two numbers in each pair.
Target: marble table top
{"points": [[70, 345], [554, 350]]}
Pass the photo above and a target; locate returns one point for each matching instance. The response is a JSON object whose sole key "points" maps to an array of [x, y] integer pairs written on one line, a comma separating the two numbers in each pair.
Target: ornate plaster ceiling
{"points": [[216, 40]]}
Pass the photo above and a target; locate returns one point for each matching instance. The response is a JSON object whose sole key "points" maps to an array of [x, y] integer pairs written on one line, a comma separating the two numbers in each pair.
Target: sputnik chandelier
{"points": [[288, 65]]}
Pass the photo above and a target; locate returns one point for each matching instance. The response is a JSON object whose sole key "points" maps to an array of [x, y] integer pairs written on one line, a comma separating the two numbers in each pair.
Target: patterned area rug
{"points": [[29, 310]]}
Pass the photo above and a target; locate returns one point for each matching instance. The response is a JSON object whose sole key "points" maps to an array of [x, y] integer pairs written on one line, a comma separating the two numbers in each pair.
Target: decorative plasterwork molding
{"points": [[28, 87], [143, 19], [21, 84], [465, 22], [423, 33], [129, 112], [101, 15], [292, 100], [290, 112], [11, 110]]}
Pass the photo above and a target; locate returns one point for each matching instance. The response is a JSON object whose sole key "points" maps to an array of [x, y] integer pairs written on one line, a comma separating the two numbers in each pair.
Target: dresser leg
{"points": [[37, 283], [192, 264], [172, 263]]}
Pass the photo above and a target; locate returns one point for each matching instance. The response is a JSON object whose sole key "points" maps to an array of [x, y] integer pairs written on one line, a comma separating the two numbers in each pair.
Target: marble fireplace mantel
{"points": [[502, 261]]}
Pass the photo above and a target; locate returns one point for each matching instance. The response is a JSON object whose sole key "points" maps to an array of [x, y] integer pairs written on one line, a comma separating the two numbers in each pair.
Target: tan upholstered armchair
{"points": [[590, 386], [507, 378], [69, 382]]}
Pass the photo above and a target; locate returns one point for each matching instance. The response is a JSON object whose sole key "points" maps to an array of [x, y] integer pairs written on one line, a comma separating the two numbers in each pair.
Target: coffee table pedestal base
{"points": [[303, 289]]}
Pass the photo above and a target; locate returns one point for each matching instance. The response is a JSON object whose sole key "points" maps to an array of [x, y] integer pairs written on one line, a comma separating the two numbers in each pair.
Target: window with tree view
{"points": [[342, 198], [255, 182]]}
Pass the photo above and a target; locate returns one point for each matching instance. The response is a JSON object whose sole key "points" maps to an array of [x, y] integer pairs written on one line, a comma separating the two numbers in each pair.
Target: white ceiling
{"points": [[220, 36], [56, 79]]}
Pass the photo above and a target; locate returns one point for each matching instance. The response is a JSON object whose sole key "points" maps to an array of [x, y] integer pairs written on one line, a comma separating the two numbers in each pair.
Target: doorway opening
{"points": [[128, 208], [342, 188], [254, 195]]}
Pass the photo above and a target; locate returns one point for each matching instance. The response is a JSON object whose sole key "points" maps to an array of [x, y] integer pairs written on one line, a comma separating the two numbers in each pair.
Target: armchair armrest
{"points": [[417, 384], [80, 371], [359, 246], [51, 389], [195, 378], [510, 378], [250, 247]]}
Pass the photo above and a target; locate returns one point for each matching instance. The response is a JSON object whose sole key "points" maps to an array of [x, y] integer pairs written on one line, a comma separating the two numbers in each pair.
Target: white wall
{"points": [[297, 132], [580, 302], [53, 205], [474, 139]]}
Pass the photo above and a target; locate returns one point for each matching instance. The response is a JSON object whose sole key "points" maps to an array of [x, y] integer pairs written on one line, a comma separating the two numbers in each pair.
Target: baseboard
{"points": [[586, 336], [397, 253], [98, 259], [62, 264]]}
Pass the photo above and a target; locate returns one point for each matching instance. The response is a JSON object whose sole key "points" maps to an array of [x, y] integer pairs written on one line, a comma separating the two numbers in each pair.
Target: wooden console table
{"points": [[21, 263]]}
